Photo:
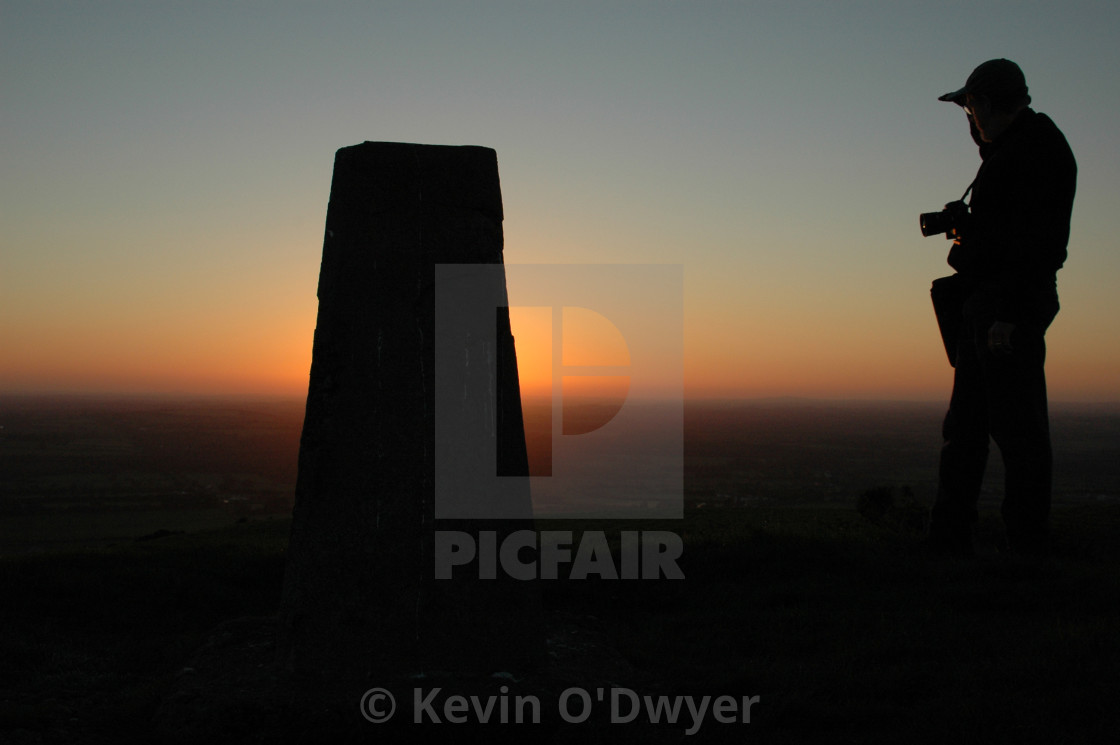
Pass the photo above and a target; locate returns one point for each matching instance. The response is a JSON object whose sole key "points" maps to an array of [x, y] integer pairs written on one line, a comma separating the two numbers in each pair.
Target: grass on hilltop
{"points": [[846, 631]]}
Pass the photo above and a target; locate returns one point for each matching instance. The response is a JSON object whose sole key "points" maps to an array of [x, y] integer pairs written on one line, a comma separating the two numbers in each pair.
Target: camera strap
{"points": [[969, 189], [979, 173]]}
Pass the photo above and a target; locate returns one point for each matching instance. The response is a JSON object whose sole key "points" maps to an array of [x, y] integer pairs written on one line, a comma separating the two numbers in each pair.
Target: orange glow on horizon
{"points": [[591, 339], [608, 387], [588, 341], [532, 340], [730, 356]]}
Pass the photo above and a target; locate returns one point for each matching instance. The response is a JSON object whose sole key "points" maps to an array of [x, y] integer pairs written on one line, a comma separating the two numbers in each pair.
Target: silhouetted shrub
{"points": [[893, 508]]}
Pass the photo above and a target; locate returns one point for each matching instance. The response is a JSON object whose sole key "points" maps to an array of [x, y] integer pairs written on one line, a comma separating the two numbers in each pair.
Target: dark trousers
{"points": [[1001, 396]]}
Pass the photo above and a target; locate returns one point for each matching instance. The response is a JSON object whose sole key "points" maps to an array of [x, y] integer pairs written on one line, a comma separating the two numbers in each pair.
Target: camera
{"points": [[950, 220]]}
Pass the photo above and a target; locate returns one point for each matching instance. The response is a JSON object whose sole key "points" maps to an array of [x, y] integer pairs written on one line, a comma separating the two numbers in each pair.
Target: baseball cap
{"points": [[996, 79]]}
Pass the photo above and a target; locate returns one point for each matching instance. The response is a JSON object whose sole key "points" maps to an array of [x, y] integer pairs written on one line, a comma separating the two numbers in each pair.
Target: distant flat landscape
{"points": [[144, 541], [82, 471]]}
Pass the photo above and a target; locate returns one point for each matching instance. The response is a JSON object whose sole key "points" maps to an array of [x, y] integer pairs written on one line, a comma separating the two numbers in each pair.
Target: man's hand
{"points": [[999, 337]]}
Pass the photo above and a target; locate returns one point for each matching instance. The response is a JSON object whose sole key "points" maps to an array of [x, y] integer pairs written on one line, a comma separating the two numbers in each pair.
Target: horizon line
{"points": [[791, 399]]}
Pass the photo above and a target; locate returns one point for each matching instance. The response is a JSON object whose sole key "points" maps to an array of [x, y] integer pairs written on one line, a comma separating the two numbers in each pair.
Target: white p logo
{"points": [[600, 357]]}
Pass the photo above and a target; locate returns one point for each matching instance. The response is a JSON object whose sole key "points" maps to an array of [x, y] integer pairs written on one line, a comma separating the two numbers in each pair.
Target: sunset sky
{"points": [[166, 168]]}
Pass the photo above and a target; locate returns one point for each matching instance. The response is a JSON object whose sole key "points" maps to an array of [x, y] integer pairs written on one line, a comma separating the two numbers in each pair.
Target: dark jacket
{"points": [[1016, 238]]}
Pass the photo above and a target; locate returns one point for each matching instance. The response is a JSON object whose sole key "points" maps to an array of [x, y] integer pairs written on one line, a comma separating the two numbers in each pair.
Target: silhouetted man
{"points": [[1007, 255]]}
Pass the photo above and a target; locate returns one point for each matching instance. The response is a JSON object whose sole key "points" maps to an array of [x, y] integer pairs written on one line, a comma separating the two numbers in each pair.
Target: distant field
{"points": [[782, 452], [91, 471], [51, 532], [130, 529], [94, 471]]}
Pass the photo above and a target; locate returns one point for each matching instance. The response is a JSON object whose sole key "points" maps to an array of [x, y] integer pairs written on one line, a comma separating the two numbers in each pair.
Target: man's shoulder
{"points": [[1041, 122], [1037, 139], [1042, 127]]}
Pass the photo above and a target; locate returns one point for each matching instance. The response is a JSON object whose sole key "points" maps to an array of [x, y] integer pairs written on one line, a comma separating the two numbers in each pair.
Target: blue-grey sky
{"points": [[166, 168]]}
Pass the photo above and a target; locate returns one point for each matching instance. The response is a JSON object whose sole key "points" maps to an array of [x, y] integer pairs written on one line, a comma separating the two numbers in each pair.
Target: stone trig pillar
{"points": [[360, 597]]}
